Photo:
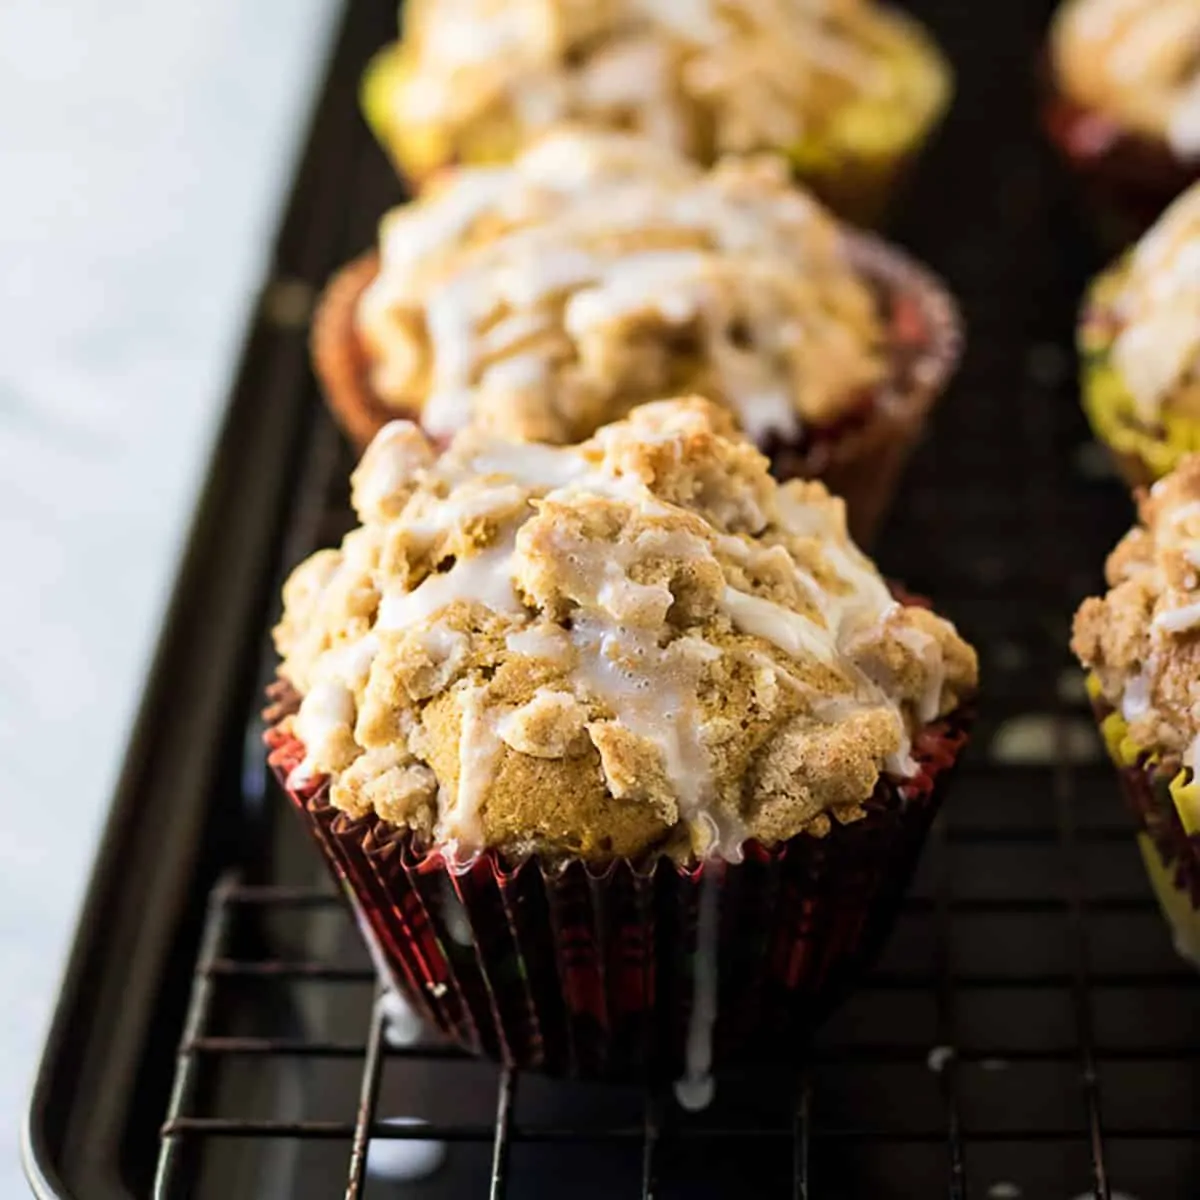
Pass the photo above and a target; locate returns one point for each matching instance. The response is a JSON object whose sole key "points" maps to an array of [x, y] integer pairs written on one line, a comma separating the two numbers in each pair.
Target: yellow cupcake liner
{"points": [[1125, 752], [383, 78], [1143, 783], [854, 160], [1110, 406], [851, 162], [1183, 919]]}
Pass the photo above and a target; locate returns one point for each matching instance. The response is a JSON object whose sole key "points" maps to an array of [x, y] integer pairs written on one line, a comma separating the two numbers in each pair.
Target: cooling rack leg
{"points": [[500, 1145], [652, 1127], [801, 1118], [367, 1097], [216, 929]]}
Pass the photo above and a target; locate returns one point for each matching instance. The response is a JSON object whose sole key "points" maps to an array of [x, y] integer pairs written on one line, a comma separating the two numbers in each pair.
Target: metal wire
{"points": [[947, 1027], [229, 900], [501, 1141], [187, 1072], [1048, 526], [653, 1108], [367, 1097], [1080, 984], [801, 1132]]}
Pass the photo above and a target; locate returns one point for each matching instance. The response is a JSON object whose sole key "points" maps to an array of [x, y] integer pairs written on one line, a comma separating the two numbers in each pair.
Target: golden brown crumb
{"points": [[640, 643]]}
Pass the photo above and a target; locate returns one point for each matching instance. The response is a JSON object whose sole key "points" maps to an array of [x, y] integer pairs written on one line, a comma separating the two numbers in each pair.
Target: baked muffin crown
{"points": [[599, 271], [1153, 303], [639, 644], [706, 77], [1136, 62], [1141, 640]]}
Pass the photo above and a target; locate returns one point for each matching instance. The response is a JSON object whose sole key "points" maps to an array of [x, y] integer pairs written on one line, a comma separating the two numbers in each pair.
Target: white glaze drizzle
{"points": [[404, 1027], [479, 747], [480, 577], [540, 641], [404, 1160], [1157, 346], [650, 690], [530, 463], [1179, 619], [327, 709], [795, 634], [1135, 702], [695, 1090], [929, 651]]}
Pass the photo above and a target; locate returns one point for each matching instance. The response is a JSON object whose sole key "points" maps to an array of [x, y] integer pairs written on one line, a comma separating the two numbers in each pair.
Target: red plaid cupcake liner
{"points": [[597, 973]]}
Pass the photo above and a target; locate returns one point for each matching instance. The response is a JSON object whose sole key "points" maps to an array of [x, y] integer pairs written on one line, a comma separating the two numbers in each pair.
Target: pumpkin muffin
{"points": [[1139, 341], [1141, 643], [1124, 105], [588, 676], [598, 272], [847, 90]]}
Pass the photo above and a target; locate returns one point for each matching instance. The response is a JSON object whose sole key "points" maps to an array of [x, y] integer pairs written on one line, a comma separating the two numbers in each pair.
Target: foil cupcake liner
{"points": [[633, 971], [861, 458], [1171, 854]]}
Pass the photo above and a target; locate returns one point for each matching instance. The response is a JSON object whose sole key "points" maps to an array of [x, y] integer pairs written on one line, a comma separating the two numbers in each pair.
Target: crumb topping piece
{"points": [[598, 272], [643, 642], [1153, 300], [1137, 61], [1142, 640]]}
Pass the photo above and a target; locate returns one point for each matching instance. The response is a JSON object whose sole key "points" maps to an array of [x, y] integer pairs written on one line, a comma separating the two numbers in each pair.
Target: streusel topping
{"points": [[1138, 62], [701, 76], [641, 642], [1142, 640], [599, 272], [1154, 303]]}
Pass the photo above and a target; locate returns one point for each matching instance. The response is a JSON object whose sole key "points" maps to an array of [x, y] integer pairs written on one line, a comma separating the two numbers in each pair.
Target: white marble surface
{"points": [[144, 152]]}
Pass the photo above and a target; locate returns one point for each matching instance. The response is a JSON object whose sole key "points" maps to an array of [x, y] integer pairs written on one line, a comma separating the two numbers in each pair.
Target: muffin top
{"points": [[703, 76], [1137, 61], [1152, 304], [1142, 640], [639, 644], [597, 272]]}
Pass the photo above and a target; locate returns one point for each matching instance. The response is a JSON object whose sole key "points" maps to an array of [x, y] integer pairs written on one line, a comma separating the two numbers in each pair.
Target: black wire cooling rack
{"points": [[990, 1064], [1029, 1033]]}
